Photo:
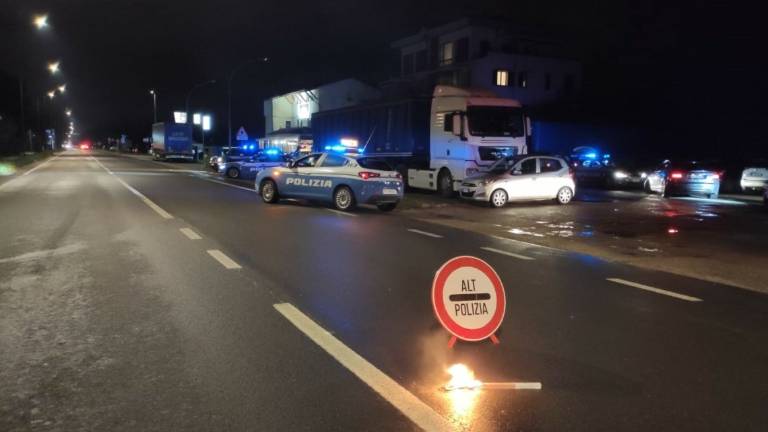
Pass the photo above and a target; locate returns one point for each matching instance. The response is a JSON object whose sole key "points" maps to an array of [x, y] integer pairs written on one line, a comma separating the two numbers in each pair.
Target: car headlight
{"points": [[643, 175], [485, 182], [219, 159], [620, 175], [469, 171]]}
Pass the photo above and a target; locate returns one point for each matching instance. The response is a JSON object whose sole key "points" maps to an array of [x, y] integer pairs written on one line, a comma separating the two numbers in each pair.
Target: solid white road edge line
{"points": [[29, 171], [224, 260], [502, 252], [655, 290], [159, 210], [342, 213], [428, 234], [411, 406], [190, 234]]}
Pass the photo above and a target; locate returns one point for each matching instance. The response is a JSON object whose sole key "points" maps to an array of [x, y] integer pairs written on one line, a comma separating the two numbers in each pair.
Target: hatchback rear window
{"points": [[374, 164]]}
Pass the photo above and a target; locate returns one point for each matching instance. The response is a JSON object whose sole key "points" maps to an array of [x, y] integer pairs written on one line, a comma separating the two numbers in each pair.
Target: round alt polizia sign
{"points": [[468, 298]]}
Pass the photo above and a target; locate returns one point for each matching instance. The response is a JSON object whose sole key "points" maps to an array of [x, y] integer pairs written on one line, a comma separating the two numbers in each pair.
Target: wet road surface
{"points": [[141, 296]]}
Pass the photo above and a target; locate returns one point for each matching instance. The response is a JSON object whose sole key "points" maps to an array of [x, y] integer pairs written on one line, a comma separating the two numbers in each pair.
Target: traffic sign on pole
{"points": [[241, 135], [468, 299]]}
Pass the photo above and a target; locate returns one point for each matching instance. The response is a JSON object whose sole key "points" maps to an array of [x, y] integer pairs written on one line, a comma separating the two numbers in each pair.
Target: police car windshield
{"points": [[374, 164]]}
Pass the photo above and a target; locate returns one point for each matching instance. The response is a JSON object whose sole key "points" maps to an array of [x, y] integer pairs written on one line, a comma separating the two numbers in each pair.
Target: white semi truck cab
{"points": [[469, 130]]}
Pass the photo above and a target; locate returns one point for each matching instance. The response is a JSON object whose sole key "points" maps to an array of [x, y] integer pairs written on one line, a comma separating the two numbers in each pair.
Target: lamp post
{"points": [[154, 104], [189, 94], [229, 94]]}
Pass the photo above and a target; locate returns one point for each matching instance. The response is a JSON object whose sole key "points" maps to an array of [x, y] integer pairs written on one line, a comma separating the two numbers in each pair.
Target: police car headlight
{"points": [[485, 182], [219, 159], [620, 175]]}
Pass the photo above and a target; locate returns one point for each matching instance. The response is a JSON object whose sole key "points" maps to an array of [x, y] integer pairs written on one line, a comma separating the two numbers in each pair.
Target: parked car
{"points": [[248, 169], [754, 179], [519, 178], [691, 178], [330, 177]]}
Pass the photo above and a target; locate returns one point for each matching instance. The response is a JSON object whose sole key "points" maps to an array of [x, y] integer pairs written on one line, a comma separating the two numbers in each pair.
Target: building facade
{"points": [[512, 63]]}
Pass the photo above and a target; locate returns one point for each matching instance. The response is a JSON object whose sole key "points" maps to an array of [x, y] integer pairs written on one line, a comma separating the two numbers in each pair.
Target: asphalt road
{"points": [[114, 315]]}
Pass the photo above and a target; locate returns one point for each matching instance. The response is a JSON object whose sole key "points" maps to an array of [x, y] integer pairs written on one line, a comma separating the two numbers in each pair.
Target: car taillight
{"points": [[676, 175], [397, 175], [365, 175]]}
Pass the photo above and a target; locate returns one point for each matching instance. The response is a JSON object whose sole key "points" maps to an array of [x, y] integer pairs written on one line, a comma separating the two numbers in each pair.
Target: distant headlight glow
{"points": [[620, 175]]}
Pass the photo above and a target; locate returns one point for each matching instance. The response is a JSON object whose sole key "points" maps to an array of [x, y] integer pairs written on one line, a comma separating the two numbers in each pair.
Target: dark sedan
{"points": [[693, 179]]}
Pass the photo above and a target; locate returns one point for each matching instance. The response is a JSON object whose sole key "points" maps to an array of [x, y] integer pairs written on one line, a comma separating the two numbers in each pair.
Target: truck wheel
{"points": [[445, 183], [269, 191], [233, 173], [343, 198], [564, 195], [388, 207], [498, 198]]}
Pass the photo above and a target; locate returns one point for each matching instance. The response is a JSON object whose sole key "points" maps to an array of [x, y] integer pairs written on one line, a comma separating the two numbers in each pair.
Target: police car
{"points": [[341, 180], [249, 168]]}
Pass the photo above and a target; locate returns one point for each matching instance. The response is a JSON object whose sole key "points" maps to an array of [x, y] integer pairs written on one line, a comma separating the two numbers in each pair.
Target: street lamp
{"points": [[189, 94], [229, 95], [51, 94], [53, 67], [40, 21], [69, 113], [154, 104], [62, 88]]}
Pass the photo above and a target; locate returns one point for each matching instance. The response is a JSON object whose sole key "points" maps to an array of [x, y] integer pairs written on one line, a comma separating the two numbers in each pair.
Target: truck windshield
{"points": [[495, 121]]}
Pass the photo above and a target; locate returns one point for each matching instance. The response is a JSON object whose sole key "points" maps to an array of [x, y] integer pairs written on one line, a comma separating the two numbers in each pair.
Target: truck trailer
{"points": [[172, 141], [434, 142]]}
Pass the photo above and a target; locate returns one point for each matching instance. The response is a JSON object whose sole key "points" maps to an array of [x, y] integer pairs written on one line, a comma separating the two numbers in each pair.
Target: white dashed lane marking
{"points": [[424, 233], [224, 260], [159, 210], [190, 234], [502, 252], [654, 290]]}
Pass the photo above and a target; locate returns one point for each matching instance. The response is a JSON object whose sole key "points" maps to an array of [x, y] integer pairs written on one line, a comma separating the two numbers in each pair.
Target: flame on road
{"points": [[462, 378]]}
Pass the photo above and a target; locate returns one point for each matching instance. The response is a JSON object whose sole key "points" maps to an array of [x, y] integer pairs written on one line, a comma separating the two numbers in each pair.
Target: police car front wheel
{"points": [[343, 198], [269, 191]]}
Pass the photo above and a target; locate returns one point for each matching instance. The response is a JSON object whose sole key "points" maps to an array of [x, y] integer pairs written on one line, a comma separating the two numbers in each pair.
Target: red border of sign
{"points": [[448, 323]]}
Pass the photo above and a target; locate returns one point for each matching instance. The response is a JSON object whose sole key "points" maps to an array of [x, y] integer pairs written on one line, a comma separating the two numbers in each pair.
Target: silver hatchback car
{"points": [[521, 178]]}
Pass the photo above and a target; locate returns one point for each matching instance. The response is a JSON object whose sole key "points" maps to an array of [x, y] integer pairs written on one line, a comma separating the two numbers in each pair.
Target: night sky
{"points": [[688, 75]]}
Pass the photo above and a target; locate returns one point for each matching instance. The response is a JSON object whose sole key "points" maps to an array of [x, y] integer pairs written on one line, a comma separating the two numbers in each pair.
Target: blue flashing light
{"points": [[591, 155], [338, 148], [272, 151], [327, 147], [606, 156]]}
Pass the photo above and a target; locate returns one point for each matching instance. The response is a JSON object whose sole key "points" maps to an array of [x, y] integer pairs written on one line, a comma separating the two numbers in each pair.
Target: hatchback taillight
{"points": [[365, 175], [676, 175]]}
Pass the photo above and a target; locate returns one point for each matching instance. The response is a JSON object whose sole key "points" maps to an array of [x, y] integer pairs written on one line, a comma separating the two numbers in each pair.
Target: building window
{"points": [[407, 64], [420, 62], [502, 77], [287, 124], [462, 50], [522, 79], [547, 82], [446, 53]]}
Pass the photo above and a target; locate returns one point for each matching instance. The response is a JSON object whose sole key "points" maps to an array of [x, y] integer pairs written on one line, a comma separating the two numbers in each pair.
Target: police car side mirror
{"points": [[517, 172]]}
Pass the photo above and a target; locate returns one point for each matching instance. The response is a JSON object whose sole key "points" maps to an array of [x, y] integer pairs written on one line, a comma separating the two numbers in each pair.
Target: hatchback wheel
{"points": [[233, 172], [269, 191], [564, 195], [344, 199], [499, 198]]}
